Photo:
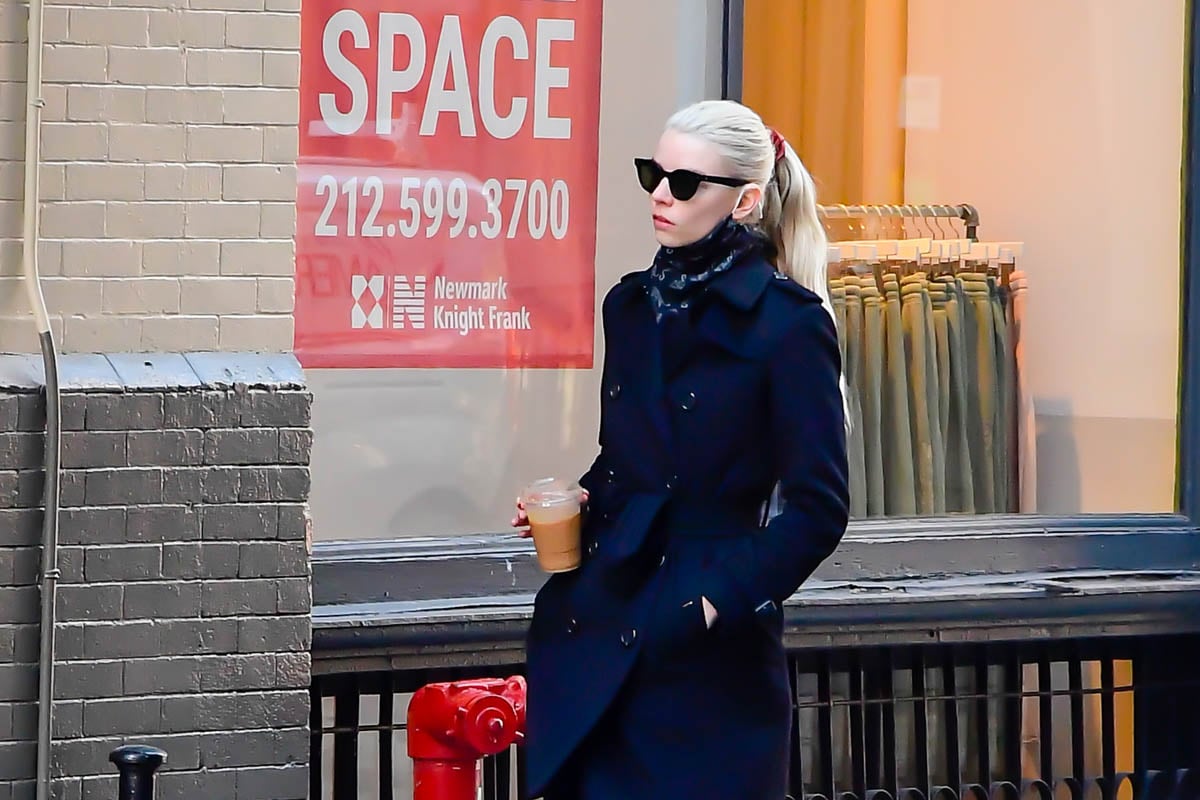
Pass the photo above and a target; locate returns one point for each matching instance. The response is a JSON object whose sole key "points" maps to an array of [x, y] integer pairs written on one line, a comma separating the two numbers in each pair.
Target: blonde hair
{"points": [[789, 205]]}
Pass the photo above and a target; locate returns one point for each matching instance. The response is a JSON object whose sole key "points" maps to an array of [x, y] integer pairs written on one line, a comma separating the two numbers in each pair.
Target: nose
{"points": [[662, 193]]}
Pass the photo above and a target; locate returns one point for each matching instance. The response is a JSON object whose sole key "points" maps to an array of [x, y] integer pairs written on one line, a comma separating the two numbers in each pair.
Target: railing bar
{"points": [[491, 780], [1045, 718], [953, 756], [504, 773], [522, 790], [1108, 722], [1011, 736], [936, 696], [394, 728], [983, 726], [891, 758], [1078, 732], [796, 762], [921, 720], [316, 737], [857, 726], [875, 678], [386, 702], [825, 781], [345, 745]]}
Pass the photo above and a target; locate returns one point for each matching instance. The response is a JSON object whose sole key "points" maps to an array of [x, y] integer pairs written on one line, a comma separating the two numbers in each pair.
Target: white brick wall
{"points": [[169, 175]]}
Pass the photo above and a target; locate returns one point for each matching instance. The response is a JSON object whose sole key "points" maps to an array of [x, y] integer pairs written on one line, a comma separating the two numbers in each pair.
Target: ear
{"points": [[750, 199]]}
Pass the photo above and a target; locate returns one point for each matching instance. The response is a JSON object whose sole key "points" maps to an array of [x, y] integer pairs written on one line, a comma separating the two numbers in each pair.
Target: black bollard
{"points": [[137, 764]]}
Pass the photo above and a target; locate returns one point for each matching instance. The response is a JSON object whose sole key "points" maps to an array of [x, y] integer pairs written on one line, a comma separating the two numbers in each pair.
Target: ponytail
{"points": [[791, 222]]}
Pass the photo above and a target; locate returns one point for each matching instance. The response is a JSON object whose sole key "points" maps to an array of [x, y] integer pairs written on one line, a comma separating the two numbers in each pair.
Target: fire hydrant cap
{"points": [[488, 723]]}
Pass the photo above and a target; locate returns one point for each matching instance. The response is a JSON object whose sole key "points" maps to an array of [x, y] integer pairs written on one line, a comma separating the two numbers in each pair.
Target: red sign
{"points": [[447, 183]]}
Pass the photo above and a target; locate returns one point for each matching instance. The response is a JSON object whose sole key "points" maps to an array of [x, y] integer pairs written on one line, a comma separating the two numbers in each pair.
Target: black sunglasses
{"points": [[683, 182]]}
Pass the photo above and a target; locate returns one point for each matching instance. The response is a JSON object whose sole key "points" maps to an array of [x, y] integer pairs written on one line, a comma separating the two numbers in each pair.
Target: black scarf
{"points": [[679, 274]]}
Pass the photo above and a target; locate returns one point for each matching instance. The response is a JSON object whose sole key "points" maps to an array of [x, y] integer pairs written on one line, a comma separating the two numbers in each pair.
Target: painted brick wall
{"points": [[170, 146], [185, 597]]}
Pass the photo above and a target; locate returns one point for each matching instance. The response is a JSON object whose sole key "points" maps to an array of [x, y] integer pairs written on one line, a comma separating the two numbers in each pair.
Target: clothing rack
{"points": [[967, 213]]}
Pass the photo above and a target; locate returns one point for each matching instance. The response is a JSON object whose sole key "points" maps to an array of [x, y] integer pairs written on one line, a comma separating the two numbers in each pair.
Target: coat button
{"points": [[662, 561], [629, 637], [572, 625], [688, 402], [592, 547], [614, 391]]}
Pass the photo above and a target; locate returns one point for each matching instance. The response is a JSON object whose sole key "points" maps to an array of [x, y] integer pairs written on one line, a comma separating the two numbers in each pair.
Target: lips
{"points": [[662, 221]]}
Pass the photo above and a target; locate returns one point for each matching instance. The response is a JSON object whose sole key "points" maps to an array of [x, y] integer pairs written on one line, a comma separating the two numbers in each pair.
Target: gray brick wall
{"points": [[185, 599]]}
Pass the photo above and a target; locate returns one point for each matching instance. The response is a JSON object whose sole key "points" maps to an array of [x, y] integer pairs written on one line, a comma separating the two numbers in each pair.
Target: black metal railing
{"points": [[1063, 719]]}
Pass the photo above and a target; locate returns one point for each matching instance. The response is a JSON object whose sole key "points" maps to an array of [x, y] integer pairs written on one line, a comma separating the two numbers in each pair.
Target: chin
{"points": [[669, 238]]}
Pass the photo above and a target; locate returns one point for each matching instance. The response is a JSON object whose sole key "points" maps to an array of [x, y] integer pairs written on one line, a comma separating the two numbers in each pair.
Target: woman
{"points": [[656, 669]]}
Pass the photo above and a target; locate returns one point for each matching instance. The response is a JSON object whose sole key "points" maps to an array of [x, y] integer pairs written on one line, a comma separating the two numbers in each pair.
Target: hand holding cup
{"points": [[552, 509]]}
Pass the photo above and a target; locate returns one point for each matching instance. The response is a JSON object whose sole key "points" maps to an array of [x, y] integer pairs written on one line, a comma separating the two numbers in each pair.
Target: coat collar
{"points": [[740, 287], [725, 320], [743, 285]]}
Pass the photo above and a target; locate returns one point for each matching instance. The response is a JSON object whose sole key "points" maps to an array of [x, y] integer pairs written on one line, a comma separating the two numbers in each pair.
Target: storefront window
{"points": [[466, 201], [1036, 369]]}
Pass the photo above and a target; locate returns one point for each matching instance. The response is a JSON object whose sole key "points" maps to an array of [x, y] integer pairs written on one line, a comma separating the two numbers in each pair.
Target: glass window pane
{"points": [[432, 430], [1032, 370], [1061, 123]]}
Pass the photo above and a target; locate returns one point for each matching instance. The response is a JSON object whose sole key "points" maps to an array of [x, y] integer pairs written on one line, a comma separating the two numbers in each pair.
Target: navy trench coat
{"points": [[630, 694]]}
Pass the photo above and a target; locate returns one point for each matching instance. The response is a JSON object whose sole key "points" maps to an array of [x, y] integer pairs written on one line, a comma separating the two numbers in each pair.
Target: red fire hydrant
{"points": [[451, 726]]}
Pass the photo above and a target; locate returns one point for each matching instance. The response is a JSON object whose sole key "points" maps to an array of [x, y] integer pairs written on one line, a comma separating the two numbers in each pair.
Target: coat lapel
{"points": [[724, 320]]}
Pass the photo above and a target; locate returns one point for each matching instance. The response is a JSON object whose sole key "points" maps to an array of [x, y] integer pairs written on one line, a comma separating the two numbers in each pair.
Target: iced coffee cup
{"points": [[553, 508]]}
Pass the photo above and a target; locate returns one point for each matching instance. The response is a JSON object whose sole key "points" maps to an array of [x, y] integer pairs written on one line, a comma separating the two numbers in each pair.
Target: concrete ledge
{"points": [[126, 372]]}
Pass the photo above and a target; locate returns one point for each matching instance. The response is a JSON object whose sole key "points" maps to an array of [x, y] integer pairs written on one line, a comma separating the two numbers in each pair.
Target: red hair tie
{"points": [[777, 142]]}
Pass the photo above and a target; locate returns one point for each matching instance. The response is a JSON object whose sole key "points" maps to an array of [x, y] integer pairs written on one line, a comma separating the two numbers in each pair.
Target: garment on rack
{"points": [[871, 381], [924, 415], [980, 335], [1025, 431], [960, 489], [899, 479], [937, 391], [852, 361], [1005, 413]]}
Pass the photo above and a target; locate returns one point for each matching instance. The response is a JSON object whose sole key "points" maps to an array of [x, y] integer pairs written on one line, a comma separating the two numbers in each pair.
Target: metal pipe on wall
{"points": [[53, 442]]}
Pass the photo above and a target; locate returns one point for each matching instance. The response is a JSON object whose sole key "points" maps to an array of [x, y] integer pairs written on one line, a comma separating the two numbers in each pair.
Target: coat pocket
{"points": [[676, 631]]}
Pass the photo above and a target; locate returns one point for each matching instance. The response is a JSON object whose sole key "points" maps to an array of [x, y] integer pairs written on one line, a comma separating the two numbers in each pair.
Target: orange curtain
{"points": [[827, 74]]}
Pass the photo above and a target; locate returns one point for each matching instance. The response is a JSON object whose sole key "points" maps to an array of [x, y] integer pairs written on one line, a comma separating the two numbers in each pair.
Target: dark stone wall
{"points": [[184, 605]]}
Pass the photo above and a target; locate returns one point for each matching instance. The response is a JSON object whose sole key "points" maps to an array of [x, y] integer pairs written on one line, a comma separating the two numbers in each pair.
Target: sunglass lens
{"points": [[649, 173], [684, 184]]}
